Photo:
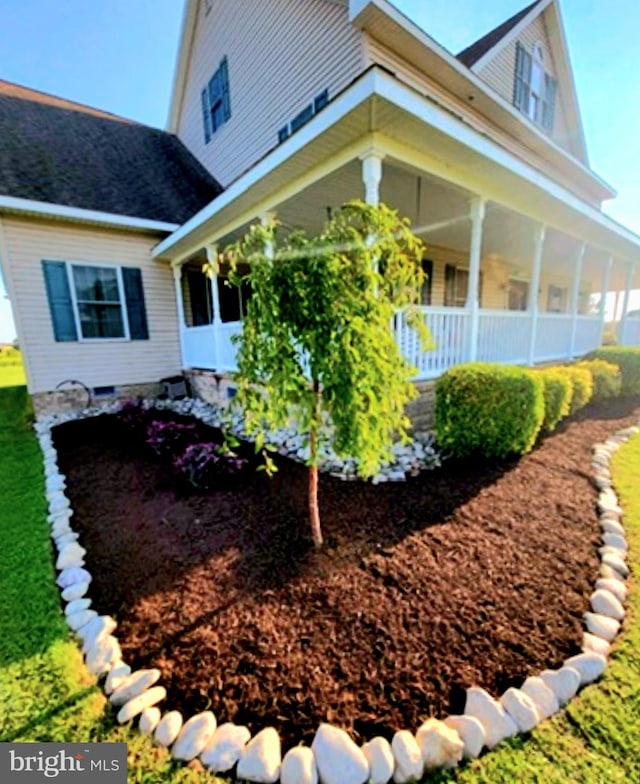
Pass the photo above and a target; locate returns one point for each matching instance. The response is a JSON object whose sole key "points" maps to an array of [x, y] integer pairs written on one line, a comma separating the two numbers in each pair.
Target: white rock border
{"points": [[333, 754]]}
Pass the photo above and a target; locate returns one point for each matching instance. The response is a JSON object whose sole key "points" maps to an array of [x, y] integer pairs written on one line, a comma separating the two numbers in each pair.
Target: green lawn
{"points": [[46, 694]]}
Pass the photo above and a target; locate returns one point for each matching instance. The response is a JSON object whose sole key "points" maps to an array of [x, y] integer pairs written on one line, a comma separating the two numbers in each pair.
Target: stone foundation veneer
{"points": [[333, 754], [75, 397]]}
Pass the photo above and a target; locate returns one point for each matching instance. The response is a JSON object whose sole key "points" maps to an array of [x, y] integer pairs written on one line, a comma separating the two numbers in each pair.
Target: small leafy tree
{"points": [[317, 345]]}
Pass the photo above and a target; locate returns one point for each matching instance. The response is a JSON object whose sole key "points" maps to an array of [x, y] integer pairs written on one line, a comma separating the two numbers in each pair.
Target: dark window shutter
{"points": [[226, 97], [206, 115], [522, 81], [549, 104], [449, 285], [427, 286], [134, 296], [59, 296]]}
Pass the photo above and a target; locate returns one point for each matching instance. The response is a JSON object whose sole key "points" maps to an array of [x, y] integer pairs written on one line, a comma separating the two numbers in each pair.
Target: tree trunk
{"points": [[314, 512]]}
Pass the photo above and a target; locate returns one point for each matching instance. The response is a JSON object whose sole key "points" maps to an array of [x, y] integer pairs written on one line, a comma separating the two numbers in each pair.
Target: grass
{"points": [[47, 695], [11, 368]]}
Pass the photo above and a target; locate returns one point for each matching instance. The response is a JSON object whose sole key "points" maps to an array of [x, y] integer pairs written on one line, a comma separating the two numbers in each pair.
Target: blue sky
{"points": [[119, 55]]}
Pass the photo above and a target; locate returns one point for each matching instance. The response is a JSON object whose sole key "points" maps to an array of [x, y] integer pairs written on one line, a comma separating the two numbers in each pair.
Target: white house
{"points": [[288, 108]]}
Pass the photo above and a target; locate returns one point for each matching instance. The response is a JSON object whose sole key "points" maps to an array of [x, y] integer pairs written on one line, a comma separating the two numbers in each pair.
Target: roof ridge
{"points": [[24, 93], [472, 53]]}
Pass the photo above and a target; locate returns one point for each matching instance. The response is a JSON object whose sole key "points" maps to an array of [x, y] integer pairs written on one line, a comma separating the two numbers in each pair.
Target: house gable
{"points": [[494, 60], [281, 61]]}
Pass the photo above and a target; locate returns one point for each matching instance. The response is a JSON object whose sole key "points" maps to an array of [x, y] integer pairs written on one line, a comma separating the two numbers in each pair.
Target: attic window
{"points": [[216, 101], [534, 89]]}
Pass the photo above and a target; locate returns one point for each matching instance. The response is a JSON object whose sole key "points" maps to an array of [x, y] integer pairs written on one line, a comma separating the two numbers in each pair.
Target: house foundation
{"points": [[78, 396]]}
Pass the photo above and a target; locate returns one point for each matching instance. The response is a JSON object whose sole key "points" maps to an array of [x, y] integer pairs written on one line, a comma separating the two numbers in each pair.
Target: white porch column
{"points": [[534, 306], [177, 282], [625, 303], [372, 177], [212, 277], [575, 298], [606, 276], [476, 214]]}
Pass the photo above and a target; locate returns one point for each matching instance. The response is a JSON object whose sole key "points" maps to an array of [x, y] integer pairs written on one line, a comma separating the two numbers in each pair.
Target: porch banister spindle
{"points": [[539, 236], [177, 282], [477, 214], [575, 298], [625, 304], [212, 255], [606, 276]]}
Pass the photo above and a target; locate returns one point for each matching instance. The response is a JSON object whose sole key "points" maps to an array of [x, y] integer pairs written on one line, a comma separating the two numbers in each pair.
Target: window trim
{"points": [[69, 264]]}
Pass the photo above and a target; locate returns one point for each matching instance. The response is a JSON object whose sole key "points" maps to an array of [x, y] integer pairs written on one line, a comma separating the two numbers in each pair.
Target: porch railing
{"points": [[503, 336]]}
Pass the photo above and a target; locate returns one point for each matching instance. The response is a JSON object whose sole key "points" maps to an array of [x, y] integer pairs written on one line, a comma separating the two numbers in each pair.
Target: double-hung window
{"points": [[534, 89], [456, 286], [216, 101], [95, 302]]}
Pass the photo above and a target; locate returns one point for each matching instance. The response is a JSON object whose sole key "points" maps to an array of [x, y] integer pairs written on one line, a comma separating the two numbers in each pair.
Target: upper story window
{"points": [[534, 89], [216, 101]]}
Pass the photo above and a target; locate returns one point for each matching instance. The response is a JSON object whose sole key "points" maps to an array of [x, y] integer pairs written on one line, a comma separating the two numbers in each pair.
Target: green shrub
{"points": [[488, 409], [558, 394], [607, 380], [582, 382], [627, 358]]}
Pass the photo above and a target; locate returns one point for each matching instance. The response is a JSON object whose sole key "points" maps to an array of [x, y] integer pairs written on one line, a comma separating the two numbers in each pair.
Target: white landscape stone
{"points": [[299, 767], [59, 504], [73, 576], [118, 673], [564, 683], [64, 539], [149, 719], [605, 603], [521, 709], [77, 605], [96, 628], [194, 736], [612, 526], [261, 758], [589, 666], [168, 729], [609, 573], [616, 587], [133, 685], [338, 758], [440, 745], [380, 758], [78, 619], [596, 644], [497, 724], [102, 655], [75, 591], [602, 625], [71, 555], [542, 696], [470, 731], [145, 700], [408, 757], [615, 540], [225, 747]]}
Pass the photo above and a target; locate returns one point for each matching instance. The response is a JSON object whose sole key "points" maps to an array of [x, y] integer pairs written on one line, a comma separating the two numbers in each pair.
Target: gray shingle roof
{"points": [[473, 53], [57, 151]]}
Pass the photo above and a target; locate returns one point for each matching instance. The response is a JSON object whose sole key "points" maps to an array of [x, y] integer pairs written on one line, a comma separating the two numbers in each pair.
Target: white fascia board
{"points": [[510, 36], [403, 96], [359, 7], [77, 214], [345, 103], [182, 61]]}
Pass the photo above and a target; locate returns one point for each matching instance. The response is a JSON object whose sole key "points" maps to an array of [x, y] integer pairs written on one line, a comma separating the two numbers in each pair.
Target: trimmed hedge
{"points": [[627, 358], [582, 382], [558, 394], [607, 380], [489, 409]]}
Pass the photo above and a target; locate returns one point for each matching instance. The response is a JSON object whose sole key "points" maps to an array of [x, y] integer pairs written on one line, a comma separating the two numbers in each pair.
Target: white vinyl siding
{"points": [[499, 73], [281, 54], [94, 362]]}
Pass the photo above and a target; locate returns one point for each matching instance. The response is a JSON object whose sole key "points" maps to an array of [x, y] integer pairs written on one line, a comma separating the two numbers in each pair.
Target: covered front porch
{"points": [[519, 271]]}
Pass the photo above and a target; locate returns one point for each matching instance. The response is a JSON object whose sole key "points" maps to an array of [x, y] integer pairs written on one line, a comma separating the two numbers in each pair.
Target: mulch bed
{"points": [[475, 574]]}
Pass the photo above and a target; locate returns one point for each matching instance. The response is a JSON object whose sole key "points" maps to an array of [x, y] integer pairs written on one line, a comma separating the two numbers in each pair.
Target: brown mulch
{"points": [[475, 574]]}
